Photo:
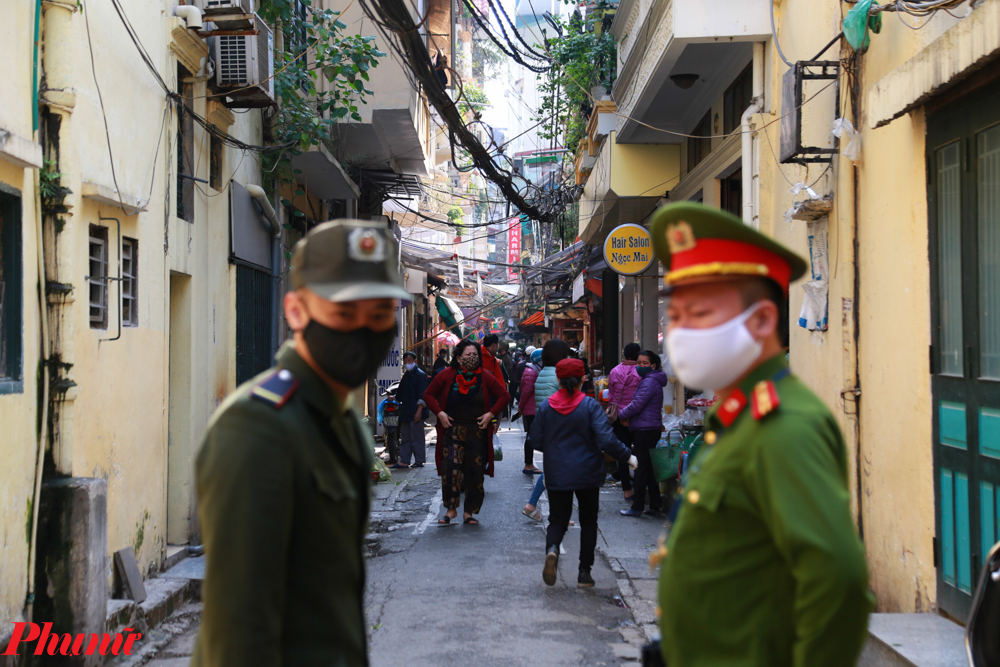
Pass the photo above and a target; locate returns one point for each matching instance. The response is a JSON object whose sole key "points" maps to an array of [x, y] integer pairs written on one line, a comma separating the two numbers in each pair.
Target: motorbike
{"points": [[388, 414]]}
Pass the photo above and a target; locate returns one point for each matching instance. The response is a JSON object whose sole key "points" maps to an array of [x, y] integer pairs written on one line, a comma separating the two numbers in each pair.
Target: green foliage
{"points": [[320, 88], [455, 215], [583, 57], [472, 93], [50, 188], [488, 61]]}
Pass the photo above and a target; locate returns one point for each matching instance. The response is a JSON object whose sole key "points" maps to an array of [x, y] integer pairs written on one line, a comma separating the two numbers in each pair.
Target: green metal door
{"points": [[963, 167]]}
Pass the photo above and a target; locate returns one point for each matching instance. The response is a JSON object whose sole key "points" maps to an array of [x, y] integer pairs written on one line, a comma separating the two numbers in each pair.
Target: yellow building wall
{"points": [[116, 428], [18, 441], [894, 492]]}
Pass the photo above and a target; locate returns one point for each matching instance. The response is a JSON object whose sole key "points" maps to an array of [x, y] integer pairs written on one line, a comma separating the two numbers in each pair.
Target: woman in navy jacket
{"points": [[572, 432], [644, 416]]}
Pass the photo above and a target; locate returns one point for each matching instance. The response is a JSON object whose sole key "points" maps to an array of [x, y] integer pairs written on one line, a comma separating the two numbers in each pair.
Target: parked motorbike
{"points": [[981, 644], [388, 412]]}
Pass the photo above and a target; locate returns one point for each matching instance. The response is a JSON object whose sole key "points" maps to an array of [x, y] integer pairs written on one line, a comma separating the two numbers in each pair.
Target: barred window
{"points": [[130, 282], [98, 277]]}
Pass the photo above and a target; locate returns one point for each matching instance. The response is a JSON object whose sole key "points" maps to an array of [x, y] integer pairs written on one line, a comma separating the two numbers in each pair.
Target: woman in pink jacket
{"points": [[622, 383], [526, 406]]}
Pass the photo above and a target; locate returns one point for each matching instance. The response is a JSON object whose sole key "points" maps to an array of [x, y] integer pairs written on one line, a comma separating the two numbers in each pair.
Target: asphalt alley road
{"points": [[460, 595]]}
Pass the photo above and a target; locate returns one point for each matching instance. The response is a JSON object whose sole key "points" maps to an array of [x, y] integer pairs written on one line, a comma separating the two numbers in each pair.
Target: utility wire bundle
{"points": [[394, 15]]}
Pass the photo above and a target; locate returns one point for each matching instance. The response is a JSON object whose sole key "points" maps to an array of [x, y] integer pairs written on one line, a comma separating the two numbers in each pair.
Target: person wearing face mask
{"points": [[644, 419], [282, 472], [465, 398], [762, 565], [411, 413]]}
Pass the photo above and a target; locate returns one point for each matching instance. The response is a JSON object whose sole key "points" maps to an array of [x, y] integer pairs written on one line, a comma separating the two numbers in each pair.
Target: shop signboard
{"points": [[391, 368], [628, 250], [513, 249]]}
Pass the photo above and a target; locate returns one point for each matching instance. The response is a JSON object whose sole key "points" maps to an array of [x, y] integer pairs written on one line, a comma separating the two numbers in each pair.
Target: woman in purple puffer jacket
{"points": [[644, 416]]}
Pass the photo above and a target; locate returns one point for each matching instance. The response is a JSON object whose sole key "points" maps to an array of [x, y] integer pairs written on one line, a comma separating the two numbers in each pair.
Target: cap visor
{"points": [[340, 292]]}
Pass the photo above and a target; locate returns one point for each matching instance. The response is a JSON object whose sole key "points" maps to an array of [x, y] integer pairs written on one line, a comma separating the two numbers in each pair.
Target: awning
{"points": [[323, 175], [534, 320]]}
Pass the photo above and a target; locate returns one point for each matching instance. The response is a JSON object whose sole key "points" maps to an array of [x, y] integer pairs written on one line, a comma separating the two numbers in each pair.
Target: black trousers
{"points": [[560, 510], [645, 480], [529, 451], [625, 437]]}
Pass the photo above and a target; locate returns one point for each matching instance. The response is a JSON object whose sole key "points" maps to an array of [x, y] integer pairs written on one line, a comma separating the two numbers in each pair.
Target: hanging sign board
{"points": [[628, 250]]}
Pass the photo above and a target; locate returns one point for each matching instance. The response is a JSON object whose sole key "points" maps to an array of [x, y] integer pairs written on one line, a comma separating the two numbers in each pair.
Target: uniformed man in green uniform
{"points": [[283, 471], [762, 566]]}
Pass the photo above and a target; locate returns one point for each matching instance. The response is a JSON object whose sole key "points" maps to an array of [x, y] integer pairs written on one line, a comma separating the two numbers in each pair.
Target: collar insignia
{"points": [[764, 399], [731, 407], [366, 245], [680, 237]]}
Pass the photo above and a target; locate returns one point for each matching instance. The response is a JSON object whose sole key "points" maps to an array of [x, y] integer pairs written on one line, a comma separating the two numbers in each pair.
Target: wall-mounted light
{"points": [[684, 81]]}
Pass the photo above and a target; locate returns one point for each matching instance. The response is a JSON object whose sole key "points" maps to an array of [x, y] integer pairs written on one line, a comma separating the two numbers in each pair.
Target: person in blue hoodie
{"points": [[546, 384], [644, 416], [573, 433]]}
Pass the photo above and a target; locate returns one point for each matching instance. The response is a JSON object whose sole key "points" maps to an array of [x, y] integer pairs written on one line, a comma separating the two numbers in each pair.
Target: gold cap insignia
{"points": [[680, 237]]}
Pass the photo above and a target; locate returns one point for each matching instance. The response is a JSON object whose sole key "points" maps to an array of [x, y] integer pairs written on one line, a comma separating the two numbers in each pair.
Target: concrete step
{"points": [[164, 595], [913, 640]]}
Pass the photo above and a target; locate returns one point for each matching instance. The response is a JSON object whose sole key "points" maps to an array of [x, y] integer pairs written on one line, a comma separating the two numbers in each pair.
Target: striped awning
{"points": [[534, 320]]}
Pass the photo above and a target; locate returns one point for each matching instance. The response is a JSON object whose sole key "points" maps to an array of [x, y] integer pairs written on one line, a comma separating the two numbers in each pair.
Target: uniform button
{"points": [[694, 496], [732, 404], [710, 438], [284, 375]]}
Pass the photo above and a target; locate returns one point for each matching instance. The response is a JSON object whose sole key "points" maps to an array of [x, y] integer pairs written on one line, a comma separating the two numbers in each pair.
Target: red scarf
{"points": [[465, 384], [564, 403]]}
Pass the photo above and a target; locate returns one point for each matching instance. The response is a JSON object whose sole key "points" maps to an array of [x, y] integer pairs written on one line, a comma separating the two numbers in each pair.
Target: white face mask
{"points": [[712, 359], [409, 367]]}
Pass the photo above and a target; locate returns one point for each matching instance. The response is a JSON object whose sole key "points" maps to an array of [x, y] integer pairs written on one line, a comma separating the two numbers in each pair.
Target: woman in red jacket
{"points": [[465, 400]]}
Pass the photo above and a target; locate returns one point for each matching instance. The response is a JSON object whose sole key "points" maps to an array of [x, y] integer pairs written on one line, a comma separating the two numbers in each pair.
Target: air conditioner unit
{"points": [[209, 7], [244, 67]]}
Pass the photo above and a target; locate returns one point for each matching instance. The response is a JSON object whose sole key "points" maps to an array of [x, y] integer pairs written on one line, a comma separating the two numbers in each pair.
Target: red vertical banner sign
{"points": [[513, 248]]}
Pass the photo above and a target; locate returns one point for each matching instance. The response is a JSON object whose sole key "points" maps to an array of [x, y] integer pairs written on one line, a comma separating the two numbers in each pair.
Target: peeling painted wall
{"points": [[895, 488], [117, 429], [18, 441]]}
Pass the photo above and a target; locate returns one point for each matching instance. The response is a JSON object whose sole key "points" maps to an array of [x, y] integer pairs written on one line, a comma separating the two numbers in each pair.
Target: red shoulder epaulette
{"points": [[764, 399], [731, 407]]}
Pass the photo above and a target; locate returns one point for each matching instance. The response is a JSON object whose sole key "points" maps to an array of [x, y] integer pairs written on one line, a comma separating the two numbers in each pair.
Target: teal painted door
{"points": [[963, 168]]}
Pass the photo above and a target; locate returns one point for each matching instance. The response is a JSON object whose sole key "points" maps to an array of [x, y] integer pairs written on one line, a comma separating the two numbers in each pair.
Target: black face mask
{"points": [[349, 357]]}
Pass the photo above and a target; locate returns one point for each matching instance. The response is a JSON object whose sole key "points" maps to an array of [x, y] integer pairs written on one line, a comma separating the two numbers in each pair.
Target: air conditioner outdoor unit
{"points": [[244, 67], [209, 7]]}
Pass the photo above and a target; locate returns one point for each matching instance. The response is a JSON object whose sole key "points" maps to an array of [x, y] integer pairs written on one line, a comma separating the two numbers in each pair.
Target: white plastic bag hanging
{"points": [[843, 130], [813, 315]]}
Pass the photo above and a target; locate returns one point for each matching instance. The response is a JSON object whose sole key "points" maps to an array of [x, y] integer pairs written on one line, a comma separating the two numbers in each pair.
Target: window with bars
{"points": [[130, 282], [11, 285], [98, 277]]}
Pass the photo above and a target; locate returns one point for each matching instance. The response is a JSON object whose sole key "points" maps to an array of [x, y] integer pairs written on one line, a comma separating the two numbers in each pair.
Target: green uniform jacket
{"points": [[283, 498], [763, 564]]}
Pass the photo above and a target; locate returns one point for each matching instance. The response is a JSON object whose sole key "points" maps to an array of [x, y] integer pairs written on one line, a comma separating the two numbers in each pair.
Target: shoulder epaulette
{"points": [[276, 388], [732, 407], [764, 399]]}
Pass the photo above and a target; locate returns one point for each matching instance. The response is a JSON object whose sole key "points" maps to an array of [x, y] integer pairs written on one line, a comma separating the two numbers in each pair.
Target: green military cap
{"points": [[348, 260], [699, 244]]}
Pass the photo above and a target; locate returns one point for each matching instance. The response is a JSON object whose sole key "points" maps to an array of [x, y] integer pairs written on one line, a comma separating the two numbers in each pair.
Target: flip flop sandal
{"points": [[445, 520], [535, 516], [471, 522]]}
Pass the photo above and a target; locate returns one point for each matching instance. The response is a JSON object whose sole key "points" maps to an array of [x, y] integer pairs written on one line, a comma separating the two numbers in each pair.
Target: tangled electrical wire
{"points": [[919, 7]]}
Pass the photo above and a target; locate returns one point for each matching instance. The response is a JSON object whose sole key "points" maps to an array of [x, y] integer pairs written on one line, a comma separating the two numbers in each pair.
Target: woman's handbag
{"points": [[611, 410]]}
